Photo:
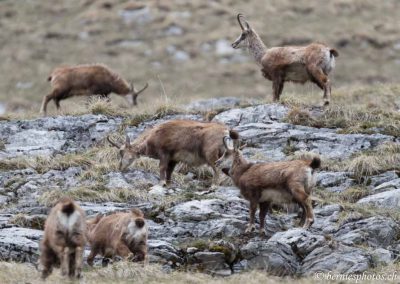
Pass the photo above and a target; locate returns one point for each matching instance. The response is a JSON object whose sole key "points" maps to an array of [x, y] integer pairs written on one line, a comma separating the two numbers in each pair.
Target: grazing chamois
{"points": [[191, 142], [87, 80], [298, 64], [64, 239], [265, 184], [119, 234]]}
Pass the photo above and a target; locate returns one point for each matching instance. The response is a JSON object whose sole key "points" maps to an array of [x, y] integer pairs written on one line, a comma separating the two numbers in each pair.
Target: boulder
{"points": [[374, 231], [386, 199], [336, 258], [20, 244], [300, 240], [275, 257]]}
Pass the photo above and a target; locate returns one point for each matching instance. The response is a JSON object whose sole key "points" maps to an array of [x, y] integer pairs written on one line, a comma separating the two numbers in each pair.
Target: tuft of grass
{"points": [[25, 221], [353, 194], [383, 158], [364, 165], [300, 116], [348, 119], [101, 106], [94, 193], [13, 164]]}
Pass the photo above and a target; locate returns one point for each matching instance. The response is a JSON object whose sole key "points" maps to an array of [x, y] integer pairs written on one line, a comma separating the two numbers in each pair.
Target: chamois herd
{"points": [[124, 234]]}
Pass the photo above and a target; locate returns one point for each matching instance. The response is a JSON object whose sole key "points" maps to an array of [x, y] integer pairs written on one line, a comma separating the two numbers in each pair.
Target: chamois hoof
{"points": [[326, 103], [262, 233], [250, 229]]}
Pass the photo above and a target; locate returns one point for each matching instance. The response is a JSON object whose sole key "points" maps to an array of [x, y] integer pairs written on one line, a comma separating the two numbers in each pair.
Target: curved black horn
{"points": [[240, 23], [136, 93]]}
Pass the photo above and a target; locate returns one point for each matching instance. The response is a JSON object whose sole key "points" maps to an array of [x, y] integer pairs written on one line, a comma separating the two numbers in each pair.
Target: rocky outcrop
{"points": [[204, 230]]}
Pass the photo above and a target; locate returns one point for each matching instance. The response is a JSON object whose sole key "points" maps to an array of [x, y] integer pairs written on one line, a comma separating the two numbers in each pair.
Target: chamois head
{"points": [[135, 93], [232, 158], [245, 32], [127, 152]]}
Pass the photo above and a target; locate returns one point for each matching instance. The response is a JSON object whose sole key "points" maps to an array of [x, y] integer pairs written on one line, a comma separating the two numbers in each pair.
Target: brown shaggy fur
{"points": [[123, 234], [191, 142], [298, 64], [64, 239], [264, 184], [86, 80]]}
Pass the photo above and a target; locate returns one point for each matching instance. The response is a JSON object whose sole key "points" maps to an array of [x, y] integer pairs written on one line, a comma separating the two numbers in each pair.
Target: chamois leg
{"points": [[253, 208], [304, 199], [65, 261], [78, 261], [72, 264], [319, 78], [170, 169], [46, 99], [140, 253], [263, 211], [277, 87], [327, 93], [94, 251], [47, 259], [303, 215], [215, 180], [163, 170]]}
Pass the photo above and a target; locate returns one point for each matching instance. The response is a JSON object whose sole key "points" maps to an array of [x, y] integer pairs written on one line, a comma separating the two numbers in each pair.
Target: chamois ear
{"points": [[127, 141]]}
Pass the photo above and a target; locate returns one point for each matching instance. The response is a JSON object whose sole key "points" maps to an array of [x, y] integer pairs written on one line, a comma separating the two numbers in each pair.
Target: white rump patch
{"points": [[66, 221], [310, 178], [135, 233]]}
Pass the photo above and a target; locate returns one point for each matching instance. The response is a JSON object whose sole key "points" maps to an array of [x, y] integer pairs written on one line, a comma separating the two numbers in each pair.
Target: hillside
{"points": [[182, 48], [192, 229]]}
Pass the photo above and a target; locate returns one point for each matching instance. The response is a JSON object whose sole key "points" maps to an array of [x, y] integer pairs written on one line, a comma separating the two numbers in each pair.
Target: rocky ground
{"points": [[356, 229]]}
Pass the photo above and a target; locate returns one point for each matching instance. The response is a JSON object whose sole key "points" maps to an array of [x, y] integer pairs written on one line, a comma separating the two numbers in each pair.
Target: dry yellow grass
{"points": [[123, 272]]}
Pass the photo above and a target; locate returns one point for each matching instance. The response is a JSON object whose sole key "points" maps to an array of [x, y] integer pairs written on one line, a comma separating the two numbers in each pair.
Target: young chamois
{"points": [[87, 80], [191, 142], [119, 234], [64, 239], [265, 184], [298, 64]]}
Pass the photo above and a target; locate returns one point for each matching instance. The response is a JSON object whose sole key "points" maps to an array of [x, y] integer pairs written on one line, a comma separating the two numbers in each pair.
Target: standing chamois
{"points": [[191, 142], [298, 64], [87, 80], [64, 239], [265, 184]]}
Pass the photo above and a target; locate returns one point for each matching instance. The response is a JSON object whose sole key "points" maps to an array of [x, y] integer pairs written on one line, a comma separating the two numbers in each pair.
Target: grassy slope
{"points": [[38, 35]]}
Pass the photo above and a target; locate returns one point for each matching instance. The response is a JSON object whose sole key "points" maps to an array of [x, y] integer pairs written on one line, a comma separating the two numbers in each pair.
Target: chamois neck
{"points": [[256, 46], [240, 165], [140, 148]]}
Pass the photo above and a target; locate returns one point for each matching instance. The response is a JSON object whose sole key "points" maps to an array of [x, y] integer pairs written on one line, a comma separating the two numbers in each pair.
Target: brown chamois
{"points": [[265, 184], [298, 64], [191, 142], [87, 80], [64, 239], [119, 234]]}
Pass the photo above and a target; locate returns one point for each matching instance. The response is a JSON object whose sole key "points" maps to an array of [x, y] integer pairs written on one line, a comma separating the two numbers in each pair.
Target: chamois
{"points": [[191, 142], [87, 80], [298, 64], [64, 239], [265, 184], [119, 234]]}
